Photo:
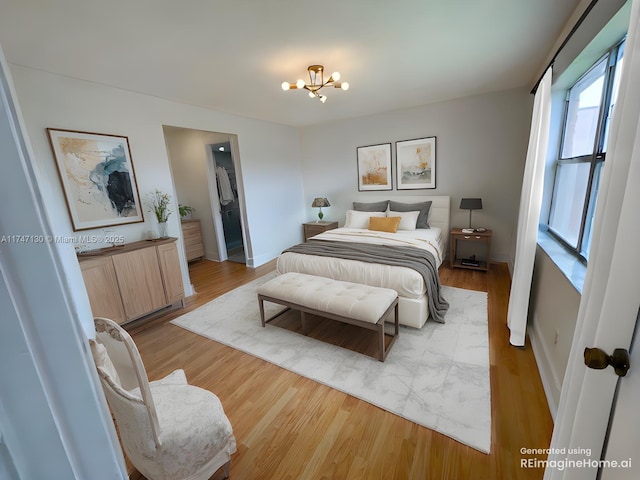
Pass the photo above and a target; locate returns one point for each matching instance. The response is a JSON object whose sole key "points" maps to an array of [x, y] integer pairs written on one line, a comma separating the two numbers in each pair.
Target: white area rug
{"points": [[437, 377]]}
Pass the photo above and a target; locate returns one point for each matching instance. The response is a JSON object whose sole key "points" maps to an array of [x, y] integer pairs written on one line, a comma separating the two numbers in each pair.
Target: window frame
{"points": [[598, 155]]}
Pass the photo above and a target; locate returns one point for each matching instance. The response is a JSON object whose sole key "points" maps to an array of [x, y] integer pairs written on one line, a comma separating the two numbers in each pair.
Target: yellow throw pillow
{"points": [[384, 224]]}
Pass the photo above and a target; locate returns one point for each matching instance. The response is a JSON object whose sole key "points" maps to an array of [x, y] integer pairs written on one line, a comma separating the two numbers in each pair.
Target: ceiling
{"points": [[232, 55]]}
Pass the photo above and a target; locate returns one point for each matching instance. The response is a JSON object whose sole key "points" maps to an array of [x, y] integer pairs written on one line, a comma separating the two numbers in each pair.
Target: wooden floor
{"points": [[288, 427]]}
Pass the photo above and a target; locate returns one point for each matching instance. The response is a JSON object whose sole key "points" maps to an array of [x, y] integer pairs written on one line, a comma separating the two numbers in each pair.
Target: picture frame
{"points": [[374, 167], [416, 164], [98, 179]]}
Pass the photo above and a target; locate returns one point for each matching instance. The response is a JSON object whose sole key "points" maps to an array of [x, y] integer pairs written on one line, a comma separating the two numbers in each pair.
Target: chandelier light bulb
{"points": [[317, 82]]}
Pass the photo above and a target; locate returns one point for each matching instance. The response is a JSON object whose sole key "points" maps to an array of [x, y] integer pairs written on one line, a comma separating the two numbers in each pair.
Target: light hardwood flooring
{"points": [[288, 427]]}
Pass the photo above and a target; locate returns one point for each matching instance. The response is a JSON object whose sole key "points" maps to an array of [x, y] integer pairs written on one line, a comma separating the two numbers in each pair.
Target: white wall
{"points": [[55, 422], [553, 312], [7, 468], [269, 154], [481, 147], [187, 150]]}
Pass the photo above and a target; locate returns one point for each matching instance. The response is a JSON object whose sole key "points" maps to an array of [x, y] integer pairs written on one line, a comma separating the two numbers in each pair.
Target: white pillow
{"points": [[408, 220], [356, 219]]}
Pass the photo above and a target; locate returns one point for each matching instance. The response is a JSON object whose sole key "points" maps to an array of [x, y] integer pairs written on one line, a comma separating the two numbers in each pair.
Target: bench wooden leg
{"points": [[382, 355], [397, 324], [303, 320], [264, 320], [261, 305], [382, 352]]}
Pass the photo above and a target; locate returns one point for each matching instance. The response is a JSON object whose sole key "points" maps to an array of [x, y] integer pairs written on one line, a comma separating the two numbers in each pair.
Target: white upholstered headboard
{"points": [[440, 215], [440, 211]]}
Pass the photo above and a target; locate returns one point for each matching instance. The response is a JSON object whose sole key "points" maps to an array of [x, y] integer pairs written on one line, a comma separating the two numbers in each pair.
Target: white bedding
{"points": [[406, 281]]}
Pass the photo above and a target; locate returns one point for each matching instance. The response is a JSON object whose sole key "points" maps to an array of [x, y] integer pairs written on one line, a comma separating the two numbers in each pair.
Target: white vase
{"points": [[162, 230]]}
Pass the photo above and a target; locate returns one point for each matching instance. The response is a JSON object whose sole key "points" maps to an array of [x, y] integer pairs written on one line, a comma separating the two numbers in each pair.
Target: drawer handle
{"points": [[478, 236], [467, 236]]}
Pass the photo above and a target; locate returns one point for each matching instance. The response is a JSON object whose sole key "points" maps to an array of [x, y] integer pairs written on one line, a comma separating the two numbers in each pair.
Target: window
{"points": [[588, 109]]}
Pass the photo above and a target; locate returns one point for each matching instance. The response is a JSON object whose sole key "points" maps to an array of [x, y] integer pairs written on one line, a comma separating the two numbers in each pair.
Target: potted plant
{"points": [[159, 205], [185, 211]]}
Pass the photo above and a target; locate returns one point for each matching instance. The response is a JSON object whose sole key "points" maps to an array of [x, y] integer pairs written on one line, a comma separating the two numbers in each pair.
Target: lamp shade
{"points": [[471, 204], [320, 202]]}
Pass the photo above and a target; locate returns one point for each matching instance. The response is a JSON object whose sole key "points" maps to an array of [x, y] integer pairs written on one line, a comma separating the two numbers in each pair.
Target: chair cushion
{"points": [[177, 377], [193, 426], [101, 359]]}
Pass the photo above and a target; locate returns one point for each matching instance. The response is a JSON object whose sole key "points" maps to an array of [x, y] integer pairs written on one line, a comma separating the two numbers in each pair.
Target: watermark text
{"points": [[73, 239]]}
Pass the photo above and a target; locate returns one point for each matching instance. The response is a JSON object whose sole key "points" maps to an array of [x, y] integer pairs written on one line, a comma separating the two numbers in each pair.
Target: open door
{"points": [[620, 453], [230, 235]]}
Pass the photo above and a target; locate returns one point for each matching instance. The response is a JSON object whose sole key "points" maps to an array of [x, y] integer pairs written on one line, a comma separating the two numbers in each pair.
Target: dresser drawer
{"points": [[194, 251], [192, 239]]}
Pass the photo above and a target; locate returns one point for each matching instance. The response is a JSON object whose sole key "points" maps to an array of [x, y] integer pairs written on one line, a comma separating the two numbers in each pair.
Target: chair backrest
{"points": [[124, 380]]}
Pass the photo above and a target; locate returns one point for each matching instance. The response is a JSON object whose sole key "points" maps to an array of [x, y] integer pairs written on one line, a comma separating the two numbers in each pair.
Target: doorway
{"points": [[227, 189]]}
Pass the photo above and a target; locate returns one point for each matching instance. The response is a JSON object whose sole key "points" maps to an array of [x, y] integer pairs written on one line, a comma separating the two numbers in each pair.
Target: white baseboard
{"points": [[213, 256], [501, 257], [262, 259]]}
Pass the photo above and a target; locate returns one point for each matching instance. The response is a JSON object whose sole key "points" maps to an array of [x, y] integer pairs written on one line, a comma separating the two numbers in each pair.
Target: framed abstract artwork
{"points": [[416, 164], [374, 167], [98, 179]]}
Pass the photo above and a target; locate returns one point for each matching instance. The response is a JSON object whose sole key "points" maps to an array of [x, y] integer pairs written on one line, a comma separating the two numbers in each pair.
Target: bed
{"points": [[413, 290]]}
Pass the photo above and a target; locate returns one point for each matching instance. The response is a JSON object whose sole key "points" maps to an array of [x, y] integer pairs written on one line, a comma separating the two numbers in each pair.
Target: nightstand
{"points": [[477, 238], [314, 228]]}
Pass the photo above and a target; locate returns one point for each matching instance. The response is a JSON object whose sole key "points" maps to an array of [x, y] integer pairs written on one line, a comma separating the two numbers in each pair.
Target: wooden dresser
{"points": [[192, 238], [128, 282]]}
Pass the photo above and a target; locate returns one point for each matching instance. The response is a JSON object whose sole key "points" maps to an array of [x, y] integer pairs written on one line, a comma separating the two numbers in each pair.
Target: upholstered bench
{"points": [[347, 302]]}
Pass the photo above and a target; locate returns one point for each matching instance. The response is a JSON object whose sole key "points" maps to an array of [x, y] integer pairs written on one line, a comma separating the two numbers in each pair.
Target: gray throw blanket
{"points": [[418, 259]]}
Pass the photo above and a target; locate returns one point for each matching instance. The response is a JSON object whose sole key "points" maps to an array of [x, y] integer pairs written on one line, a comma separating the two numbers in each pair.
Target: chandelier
{"points": [[316, 82]]}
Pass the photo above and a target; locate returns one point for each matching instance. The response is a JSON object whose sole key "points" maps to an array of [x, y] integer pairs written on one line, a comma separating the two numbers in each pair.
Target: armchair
{"points": [[170, 430]]}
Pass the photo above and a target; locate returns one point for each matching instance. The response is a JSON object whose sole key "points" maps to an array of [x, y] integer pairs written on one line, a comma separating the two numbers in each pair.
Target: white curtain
{"points": [[530, 201]]}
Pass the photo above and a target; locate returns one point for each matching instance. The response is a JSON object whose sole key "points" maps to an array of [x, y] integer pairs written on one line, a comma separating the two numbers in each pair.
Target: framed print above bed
{"points": [[97, 176], [374, 167], [416, 164]]}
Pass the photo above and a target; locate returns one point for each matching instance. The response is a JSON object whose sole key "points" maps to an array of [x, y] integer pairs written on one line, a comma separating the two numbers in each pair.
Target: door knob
{"points": [[598, 359]]}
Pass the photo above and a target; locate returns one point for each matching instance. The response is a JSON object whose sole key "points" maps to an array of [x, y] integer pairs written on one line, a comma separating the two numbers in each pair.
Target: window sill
{"points": [[572, 268]]}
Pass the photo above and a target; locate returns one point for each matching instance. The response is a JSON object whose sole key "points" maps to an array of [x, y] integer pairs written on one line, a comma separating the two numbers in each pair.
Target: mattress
{"points": [[406, 281]]}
